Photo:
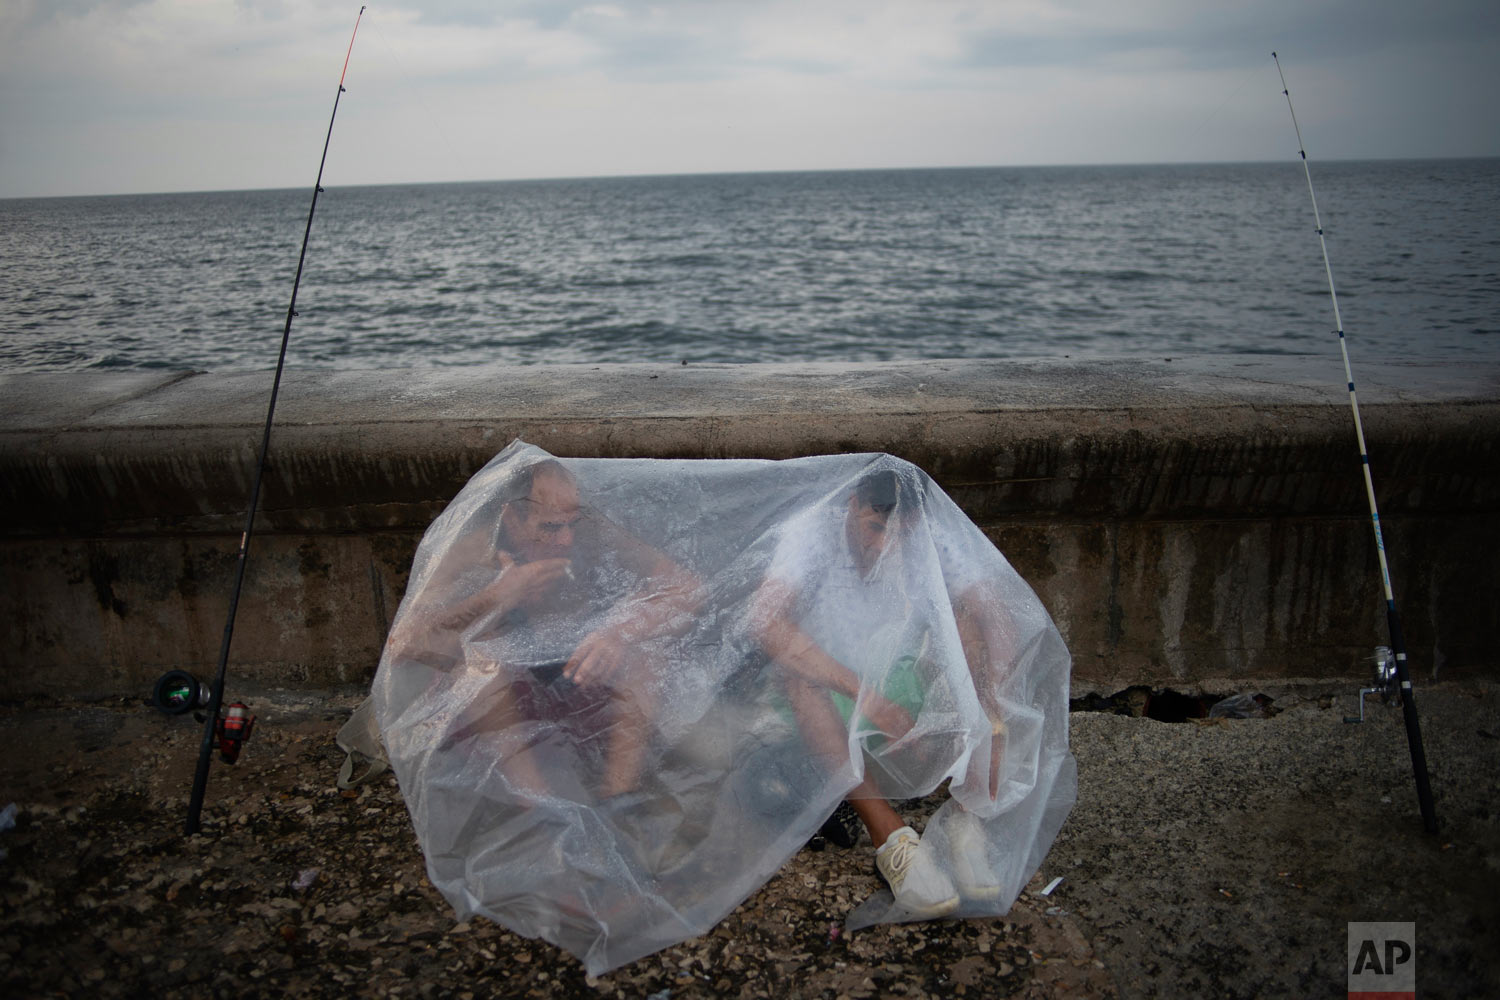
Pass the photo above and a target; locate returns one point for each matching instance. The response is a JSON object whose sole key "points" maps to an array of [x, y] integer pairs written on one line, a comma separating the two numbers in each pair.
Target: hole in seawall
{"points": [[1168, 705]]}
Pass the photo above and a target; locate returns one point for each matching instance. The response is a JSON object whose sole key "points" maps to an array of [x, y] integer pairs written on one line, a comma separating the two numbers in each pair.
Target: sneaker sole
{"points": [[979, 892], [942, 909]]}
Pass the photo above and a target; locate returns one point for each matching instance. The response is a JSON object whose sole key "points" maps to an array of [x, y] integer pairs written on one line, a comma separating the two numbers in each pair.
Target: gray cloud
{"points": [[105, 95], [1199, 36]]}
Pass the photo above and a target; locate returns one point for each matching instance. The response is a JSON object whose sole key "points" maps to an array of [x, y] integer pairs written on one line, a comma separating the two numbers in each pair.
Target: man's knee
{"points": [[802, 693], [635, 698]]}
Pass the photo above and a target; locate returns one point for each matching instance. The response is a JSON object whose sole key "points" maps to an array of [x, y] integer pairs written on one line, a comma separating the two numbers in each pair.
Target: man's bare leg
{"points": [[632, 708], [827, 734], [501, 714], [626, 750], [519, 767], [917, 884]]}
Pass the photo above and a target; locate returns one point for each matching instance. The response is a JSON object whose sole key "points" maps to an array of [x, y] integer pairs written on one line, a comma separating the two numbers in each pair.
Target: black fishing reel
{"points": [[178, 692]]}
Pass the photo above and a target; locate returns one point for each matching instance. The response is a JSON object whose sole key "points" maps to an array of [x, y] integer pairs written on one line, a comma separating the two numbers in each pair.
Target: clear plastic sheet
{"points": [[607, 692]]}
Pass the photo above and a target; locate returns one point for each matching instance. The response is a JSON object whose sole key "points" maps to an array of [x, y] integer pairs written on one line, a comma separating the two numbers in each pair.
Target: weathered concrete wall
{"points": [[1185, 521]]}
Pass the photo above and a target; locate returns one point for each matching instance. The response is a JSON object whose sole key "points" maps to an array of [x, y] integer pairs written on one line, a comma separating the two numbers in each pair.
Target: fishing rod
{"points": [[216, 729], [1393, 620]]}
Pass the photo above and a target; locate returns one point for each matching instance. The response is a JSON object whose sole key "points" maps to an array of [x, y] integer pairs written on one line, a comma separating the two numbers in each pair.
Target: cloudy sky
{"points": [[113, 96]]}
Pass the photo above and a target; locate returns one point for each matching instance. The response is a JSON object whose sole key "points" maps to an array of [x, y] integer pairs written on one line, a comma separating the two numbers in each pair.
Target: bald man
{"points": [[569, 618]]}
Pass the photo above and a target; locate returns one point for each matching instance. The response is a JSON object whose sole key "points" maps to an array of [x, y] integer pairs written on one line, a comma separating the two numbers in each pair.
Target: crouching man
{"points": [[845, 615]]}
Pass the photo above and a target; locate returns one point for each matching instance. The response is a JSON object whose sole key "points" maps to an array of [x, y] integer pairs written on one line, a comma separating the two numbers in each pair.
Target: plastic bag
{"points": [[599, 701]]}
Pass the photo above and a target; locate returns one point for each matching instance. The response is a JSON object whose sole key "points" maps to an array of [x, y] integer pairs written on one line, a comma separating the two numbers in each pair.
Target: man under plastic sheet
{"points": [[612, 693], [572, 606], [832, 610]]}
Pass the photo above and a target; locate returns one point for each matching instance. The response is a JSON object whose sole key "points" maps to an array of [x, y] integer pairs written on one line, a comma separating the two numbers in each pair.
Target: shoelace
{"points": [[901, 856]]}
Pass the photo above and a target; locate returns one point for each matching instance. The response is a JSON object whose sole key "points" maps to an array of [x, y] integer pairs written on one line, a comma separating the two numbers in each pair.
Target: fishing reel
{"points": [[1386, 683], [178, 692], [232, 729]]}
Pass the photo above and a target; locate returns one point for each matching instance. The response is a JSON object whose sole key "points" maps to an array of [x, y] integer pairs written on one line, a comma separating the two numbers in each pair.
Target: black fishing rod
{"points": [[214, 727], [1393, 620]]}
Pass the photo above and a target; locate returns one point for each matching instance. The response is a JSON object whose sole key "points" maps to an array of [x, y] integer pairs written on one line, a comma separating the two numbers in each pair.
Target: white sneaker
{"points": [[971, 867], [917, 883]]}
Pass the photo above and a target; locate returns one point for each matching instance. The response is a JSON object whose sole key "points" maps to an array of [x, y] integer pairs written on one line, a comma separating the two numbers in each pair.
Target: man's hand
{"points": [[518, 585], [528, 584], [597, 658], [889, 717]]}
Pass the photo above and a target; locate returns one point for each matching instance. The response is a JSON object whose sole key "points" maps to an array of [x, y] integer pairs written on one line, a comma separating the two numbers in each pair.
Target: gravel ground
{"points": [[1203, 858]]}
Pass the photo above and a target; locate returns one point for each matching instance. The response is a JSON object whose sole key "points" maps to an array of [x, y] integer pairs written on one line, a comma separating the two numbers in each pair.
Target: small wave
{"points": [[421, 310], [624, 281], [1119, 274], [694, 260], [116, 361]]}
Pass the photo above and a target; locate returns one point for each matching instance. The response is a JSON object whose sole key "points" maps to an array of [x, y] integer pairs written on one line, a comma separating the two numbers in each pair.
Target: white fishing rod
{"points": [[1398, 641]]}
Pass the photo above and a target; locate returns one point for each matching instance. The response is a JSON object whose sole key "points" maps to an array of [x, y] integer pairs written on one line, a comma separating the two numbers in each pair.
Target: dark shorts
{"points": [[543, 694]]}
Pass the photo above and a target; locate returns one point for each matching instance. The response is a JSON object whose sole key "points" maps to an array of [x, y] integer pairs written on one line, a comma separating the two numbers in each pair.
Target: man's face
{"points": [[867, 529], [542, 526]]}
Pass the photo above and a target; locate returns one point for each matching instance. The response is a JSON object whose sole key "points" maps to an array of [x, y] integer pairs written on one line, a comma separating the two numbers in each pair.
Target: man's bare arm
{"points": [[664, 604], [785, 641], [986, 631], [512, 585]]}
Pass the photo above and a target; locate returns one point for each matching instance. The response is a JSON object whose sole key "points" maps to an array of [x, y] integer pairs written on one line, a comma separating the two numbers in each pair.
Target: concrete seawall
{"points": [[1187, 522]]}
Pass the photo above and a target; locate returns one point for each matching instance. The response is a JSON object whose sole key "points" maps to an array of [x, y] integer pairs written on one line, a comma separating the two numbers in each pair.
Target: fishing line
{"points": [[441, 136], [1215, 115], [213, 725], [1393, 620]]}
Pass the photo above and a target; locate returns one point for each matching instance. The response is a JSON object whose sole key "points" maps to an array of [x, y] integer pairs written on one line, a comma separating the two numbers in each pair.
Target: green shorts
{"points": [[902, 686]]}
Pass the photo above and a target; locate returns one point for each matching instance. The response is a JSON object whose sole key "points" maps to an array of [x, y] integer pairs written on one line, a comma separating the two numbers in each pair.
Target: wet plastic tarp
{"points": [[607, 693]]}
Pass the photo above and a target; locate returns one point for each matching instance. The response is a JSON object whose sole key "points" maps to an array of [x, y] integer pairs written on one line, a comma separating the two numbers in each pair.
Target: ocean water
{"points": [[848, 266]]}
